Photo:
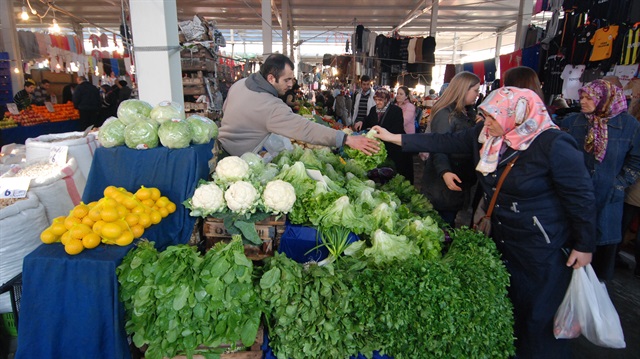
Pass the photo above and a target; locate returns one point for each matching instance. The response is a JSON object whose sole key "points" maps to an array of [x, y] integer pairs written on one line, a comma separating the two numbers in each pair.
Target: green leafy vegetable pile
{"points": [[177, 300]]}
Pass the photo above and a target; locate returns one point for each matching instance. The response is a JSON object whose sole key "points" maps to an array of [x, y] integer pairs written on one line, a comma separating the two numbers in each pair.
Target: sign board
{"points": [[14, 187], [13, 108], [58, 154], [49, 106]]}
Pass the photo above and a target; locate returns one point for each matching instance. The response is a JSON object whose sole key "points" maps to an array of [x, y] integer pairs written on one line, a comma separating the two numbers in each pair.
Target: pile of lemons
{"points": [[117, 218]]}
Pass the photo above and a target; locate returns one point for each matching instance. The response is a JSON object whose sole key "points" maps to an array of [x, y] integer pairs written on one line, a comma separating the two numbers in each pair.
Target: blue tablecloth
{"points": [[21, 133], [70, 306]]}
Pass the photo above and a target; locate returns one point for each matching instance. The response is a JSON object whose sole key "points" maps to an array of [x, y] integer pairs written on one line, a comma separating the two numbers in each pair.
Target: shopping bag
{"points": [[482, 222], [587, 309]]}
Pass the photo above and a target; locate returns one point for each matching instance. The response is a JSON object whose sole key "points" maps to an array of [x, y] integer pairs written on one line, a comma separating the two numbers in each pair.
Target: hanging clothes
{"points": [[602, 42]]}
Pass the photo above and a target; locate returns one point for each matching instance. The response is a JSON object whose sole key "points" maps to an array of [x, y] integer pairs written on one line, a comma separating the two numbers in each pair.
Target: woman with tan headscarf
{"points": [[546, 206], [610, 141]]}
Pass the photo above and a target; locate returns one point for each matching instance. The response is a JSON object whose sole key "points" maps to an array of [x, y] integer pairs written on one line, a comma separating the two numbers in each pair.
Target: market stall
{"points": [[21, 133], [71, 302]]}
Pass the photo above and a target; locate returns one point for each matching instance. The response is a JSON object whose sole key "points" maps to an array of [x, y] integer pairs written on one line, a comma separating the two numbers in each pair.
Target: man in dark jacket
{"points": [[22, 99], [124, 91], [86, 98]]}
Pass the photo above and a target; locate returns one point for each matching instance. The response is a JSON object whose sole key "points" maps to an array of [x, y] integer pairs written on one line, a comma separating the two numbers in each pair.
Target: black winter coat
{"points": [[546, 203], [87, 97]]}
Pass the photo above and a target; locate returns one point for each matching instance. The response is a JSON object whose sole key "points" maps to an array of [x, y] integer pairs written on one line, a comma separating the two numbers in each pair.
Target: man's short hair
{"points": [[432, 92], [45, 82], [365, 78], [274, 65], [123, 83], [29, 82]]}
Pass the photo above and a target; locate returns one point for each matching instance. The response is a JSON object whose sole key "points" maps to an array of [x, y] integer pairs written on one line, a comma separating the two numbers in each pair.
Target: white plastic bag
{"points": [[587, 309]]}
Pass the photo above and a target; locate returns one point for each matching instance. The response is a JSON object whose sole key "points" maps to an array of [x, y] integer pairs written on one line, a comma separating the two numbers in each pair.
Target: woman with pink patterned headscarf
{"points": [[545, 207], [610, 141]]}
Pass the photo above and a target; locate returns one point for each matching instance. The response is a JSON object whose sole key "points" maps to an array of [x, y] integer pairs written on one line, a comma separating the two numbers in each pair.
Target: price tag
{"points": [[13, 108], [58, 154], [14, 187], [49, 106], [54, 99]]}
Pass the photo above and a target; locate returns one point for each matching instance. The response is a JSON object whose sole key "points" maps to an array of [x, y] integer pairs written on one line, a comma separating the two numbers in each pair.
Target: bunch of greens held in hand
{"points": [[177, 300], [368, 162]]}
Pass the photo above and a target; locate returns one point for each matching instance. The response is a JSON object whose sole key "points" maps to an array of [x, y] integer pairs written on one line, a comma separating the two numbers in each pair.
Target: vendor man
{"points": [[22, 99], [253, 112]]}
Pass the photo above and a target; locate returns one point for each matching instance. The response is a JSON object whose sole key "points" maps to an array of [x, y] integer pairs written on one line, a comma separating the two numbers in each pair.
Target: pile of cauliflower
{"points": [[243, 185]]}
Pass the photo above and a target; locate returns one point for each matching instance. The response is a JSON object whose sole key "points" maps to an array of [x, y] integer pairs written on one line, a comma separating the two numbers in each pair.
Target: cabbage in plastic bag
{"points": [[111, 133], [131, 110], [175, 134], [141, 135], [202, 128], [166, 111]]}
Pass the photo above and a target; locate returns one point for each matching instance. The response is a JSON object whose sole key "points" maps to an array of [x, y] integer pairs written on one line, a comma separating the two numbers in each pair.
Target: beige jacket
{"points": [[252, 111]]}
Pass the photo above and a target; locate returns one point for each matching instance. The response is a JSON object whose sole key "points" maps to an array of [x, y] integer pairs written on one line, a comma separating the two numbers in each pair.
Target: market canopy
{"points": [[466, 25]]}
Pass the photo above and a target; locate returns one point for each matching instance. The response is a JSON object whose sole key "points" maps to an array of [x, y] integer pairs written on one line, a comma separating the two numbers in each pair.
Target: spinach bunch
{"points": [[308, 310], [177, 300]]}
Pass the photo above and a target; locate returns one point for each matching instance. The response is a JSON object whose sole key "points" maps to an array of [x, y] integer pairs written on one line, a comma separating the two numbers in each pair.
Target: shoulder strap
{"points": [[494, 198]]}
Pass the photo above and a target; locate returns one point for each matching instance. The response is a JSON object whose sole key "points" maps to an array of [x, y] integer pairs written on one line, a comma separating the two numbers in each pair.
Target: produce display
{"points": [[27, 117], [141, 126], [62, 112], [177, 300], [117, 218], [7, 123], [368, 162], [402, 289]]}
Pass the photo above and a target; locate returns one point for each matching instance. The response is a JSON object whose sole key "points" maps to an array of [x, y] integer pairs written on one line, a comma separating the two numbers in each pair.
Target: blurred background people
{"points": [[86, 98], [67, 92], [362, 102], [524, 78], [124, 91], [41, 93], [403, 101], [23, 98]]}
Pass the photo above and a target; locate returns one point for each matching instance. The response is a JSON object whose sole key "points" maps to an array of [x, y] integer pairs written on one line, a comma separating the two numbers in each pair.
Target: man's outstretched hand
{"points": [[367, 145]]}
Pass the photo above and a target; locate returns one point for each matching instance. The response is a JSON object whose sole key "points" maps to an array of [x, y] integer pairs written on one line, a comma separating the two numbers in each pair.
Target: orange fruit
{"points": [[58, 228], [97, 227], [144, 220], [155, 193], [94, 214], [111, 231], [80, 230], [125, 238], [71, 221], [110, 191], [73, 247], [91, 240], [171, 207], [143, 193], [65, 237], [163, 212], [48, 237], [109, 214], [156, 217], [137, 230], [131, 219], [80, 211]]}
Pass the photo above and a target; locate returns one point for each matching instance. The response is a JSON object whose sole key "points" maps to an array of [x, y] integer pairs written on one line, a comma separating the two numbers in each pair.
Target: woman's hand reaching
{"points": [[387, 136]]}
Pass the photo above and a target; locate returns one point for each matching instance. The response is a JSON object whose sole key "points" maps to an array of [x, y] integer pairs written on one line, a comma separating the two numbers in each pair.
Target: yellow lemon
{"points": [[148, 202], [65, 237], [88, 221], [122, 210], [91, 240], [137, 230], [109, 214], [163, 212], [144, 220], [162, 201], [111, 231], [58, 228], [80, 211], [97, 227], [73, 247], [125, 238], [94, 214], [80, 230], [155, 193], [71, 221], [131, 219], [171, 207], [156, 217], [110, 191], [143, 193], [48, 237]]}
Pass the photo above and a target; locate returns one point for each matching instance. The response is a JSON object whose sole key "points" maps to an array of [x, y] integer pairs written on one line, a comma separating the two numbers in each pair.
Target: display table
{"points": [[21, 133], [70, 306]]}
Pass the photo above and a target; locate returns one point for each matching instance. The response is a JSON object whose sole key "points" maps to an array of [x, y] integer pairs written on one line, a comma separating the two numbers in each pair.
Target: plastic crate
{"points": [[14, 287]]}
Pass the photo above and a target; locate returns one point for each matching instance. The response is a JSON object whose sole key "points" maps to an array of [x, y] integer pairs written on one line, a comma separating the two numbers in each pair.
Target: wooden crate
{"points": [[253, 352], [269, 230], [195, 106], [194, 90]]}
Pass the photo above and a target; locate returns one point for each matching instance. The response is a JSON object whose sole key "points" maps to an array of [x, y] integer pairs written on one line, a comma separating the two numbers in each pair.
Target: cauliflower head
{"points": [[279, 196], [241, 197], [232, 168], [209, 198]]}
